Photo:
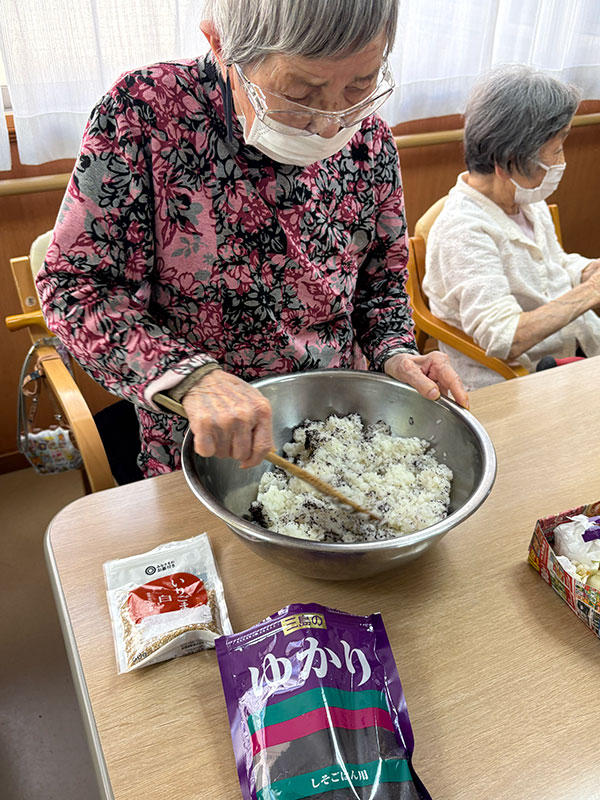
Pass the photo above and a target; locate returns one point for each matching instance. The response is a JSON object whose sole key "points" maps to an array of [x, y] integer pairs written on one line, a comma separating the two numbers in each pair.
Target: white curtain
{"points": [[443, 44], [4, 144], [62, 55]]}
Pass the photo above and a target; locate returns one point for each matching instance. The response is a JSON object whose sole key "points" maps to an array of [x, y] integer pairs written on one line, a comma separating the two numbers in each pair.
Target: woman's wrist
{"points": [[582, 298], [536, 325], [179, 391], [590, 269], [406, 350]]}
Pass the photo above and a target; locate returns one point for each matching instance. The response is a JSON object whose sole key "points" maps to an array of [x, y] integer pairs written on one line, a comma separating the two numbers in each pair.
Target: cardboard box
{"points": [[582, 599]]}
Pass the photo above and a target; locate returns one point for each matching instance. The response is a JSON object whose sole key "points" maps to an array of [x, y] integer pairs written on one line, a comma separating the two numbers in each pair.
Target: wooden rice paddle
{"points": [[321, 486], [293, 469]]}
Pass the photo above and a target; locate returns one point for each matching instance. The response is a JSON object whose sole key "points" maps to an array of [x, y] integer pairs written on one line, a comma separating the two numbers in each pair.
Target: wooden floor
{"points": [[43, 750]]}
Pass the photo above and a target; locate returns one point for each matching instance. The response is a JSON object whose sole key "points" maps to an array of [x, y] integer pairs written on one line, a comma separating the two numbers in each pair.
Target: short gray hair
{"points": [[250, 30], [512, 111]]}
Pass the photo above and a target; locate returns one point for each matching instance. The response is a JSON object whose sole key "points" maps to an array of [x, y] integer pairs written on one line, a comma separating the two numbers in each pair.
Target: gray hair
{"points": [[250, 30], [511, 113]]}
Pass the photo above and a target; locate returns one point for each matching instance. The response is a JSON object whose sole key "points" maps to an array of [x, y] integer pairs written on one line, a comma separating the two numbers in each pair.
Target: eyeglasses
{"points": [[273, 108]]}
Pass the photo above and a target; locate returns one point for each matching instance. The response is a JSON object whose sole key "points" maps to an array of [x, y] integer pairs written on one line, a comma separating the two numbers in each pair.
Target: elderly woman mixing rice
{"points": [[236, 216], [495, 267]]}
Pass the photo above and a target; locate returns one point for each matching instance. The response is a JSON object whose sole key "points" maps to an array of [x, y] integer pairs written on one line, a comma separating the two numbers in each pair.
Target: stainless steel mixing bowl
{"points": [[456, 436]]}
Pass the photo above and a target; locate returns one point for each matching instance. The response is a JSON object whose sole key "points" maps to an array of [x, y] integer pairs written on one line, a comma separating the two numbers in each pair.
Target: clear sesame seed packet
{"points": [[316, 708], [165, 603]]}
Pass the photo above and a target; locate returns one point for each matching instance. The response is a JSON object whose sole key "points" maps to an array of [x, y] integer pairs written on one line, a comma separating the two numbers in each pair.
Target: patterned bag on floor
{"points": [[50, 449]]}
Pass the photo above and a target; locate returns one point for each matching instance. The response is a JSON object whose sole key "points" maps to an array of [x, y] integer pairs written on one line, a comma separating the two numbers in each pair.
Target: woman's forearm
{"points": [[536, 325]]}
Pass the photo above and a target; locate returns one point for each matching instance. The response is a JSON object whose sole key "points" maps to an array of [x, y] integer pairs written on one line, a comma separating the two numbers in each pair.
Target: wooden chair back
{"points": [[553, 208], [424, 223]]}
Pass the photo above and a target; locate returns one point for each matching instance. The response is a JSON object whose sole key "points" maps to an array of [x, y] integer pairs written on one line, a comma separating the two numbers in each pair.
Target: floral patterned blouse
{"points": [[175, 246]]}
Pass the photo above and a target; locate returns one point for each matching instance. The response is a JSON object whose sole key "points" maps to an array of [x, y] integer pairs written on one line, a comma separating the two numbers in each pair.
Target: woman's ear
{"points": [[501, 173], [208, 29]]}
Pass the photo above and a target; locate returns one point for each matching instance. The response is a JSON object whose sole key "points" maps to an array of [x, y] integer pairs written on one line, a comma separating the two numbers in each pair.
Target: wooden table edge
{"points": [[81, 690]]}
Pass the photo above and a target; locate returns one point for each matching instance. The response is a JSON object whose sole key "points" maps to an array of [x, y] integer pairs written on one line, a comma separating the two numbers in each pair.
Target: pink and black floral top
{"points": [[175, 246]]}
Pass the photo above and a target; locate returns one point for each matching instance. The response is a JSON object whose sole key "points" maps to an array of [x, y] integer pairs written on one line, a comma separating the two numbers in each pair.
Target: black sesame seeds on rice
{"points": [[396, 477]]}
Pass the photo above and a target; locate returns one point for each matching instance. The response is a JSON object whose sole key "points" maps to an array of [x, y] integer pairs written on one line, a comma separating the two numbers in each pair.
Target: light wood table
{"points": [[500, 676]]}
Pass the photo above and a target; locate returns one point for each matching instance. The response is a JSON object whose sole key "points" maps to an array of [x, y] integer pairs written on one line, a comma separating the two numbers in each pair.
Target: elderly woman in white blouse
{"points": [[495, 268]]}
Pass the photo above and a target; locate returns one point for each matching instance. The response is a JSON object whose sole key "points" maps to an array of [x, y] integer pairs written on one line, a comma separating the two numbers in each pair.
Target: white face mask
{"points": [[285, 146], [551, 180]]}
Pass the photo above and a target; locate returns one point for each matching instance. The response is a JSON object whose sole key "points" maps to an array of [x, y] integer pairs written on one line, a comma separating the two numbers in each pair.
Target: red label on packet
{"points": [[170, 593]]}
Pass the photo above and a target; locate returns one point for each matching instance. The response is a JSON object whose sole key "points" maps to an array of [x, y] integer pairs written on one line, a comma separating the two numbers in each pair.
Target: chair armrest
{"points": [[455, 338], [16, 322]]}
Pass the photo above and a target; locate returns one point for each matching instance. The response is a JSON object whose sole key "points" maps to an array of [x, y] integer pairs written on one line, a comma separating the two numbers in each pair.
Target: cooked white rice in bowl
{"points": [[396, 477]]}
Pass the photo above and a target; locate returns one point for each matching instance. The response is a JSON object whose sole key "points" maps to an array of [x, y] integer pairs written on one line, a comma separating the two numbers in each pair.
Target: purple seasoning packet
{"points": [[592, 531], [316, 708]]}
